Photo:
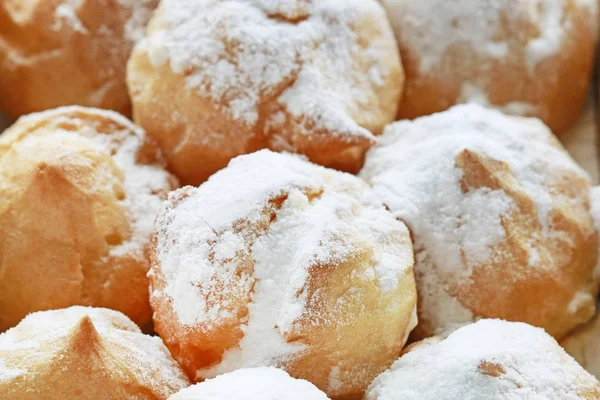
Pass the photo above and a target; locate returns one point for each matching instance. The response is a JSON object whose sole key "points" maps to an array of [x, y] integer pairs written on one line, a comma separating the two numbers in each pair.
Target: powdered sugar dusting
{"points": [[490, 359], [548, 15], [416, 172], [140, 13], [435, 27], [300, 54], [325, 217], [67, 13], [7, 373], [471, 93], [146, 184], [41, 335], [38, 327], [252, 384]]}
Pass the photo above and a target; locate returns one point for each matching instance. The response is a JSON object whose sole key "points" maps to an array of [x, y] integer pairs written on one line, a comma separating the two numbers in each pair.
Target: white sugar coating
{"points": [[490, 359], [434, 27], [584, 345], [443, 308], [252, 384], [8, 373], [147, 353], [299, 53], [42, 326], [343, 217], [548, 15], [66, 12], [471, 93], [40, 330], [139, 13], [145, 184], [413, 170]]}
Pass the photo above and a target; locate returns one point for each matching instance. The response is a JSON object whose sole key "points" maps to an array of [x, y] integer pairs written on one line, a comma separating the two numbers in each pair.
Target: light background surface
{"points": [[582, 142]]}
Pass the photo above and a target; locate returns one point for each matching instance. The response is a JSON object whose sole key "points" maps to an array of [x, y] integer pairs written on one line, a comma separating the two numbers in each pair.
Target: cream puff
{"points": [[490, 359], [500, 218], [67, 52], [79, 191], [85, 353], [216, 79], [278, 262], [528, 58], [252, 384]]}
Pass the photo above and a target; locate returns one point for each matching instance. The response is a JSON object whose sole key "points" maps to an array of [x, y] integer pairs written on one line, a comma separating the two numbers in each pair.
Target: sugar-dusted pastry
{"points": [[63, 52], [252, 384], [528, 57], [85, 353], [490, 359], [499, 215], [275, 261], [215, 79], [79, 191]]}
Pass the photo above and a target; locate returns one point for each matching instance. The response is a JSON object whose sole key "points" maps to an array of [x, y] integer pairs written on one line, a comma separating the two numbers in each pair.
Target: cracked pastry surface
{"points": [[79, 190], [275, 261], [490, 359], [67, 52], [252, 384], [85, 353], [219, 78], [500, 218], [529, 58]]}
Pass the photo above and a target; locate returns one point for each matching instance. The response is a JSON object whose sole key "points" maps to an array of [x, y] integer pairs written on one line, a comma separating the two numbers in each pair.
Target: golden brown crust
{"points": [[55, 53], [85, 353], [198, 132], [500, 217], [66, 221], [488, 359], [558, 297], [571, 260], [347, 325], [555, 89]]}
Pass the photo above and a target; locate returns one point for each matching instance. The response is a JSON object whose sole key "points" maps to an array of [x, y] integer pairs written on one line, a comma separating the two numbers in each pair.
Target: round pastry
{"points": [[275, 261], [252, 384], [499, 215], [79, 191], [490, 359], [85, 353], [61, 52], [216, 79], [529, 57], [584, 345]]}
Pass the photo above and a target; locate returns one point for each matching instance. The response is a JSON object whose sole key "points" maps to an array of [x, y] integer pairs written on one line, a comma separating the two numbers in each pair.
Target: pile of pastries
{"points": [[301, 199]]}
